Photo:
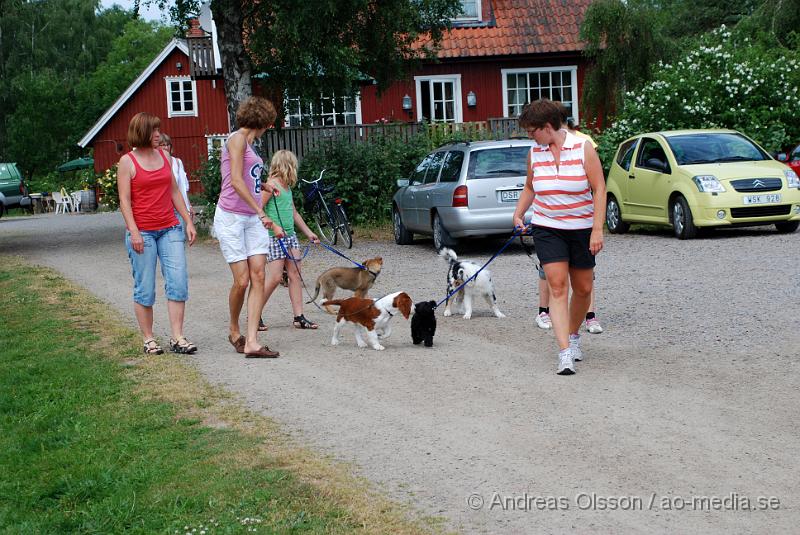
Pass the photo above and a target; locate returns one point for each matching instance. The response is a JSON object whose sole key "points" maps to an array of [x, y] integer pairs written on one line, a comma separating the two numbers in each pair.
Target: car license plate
{"points": [[509, 195], [761, 199]]}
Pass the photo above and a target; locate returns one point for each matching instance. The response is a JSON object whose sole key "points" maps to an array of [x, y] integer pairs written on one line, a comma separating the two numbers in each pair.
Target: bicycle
{"points": [[329, 215]]}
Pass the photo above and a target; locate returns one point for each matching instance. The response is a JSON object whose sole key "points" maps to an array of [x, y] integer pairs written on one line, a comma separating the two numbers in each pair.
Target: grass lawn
{"points": [[97, 438]]}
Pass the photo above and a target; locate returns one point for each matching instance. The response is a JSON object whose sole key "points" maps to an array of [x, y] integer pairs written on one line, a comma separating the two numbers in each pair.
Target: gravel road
{"points": [[690, 393]]}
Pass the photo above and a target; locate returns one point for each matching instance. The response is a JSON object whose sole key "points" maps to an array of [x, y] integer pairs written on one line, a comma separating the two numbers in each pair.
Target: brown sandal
{"points": [[151, 347], [262, 353], [238, 343]]}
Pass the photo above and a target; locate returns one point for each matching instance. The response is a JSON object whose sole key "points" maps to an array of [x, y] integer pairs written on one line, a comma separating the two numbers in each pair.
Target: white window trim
{"points": [[356, 96], [572, 69], [170, 113], [210, 141], [459, 116], [478, 10]]}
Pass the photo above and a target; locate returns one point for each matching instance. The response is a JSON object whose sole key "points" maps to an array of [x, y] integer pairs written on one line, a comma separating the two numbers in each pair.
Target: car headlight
{"points": [[792, 180], [708, 184]]}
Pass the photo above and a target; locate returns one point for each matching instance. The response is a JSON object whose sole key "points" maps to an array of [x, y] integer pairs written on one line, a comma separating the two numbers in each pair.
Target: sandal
{"points": [[262, 353], [151, 347], [238, 344], [262, 326], [182, 346], [301, 322]]}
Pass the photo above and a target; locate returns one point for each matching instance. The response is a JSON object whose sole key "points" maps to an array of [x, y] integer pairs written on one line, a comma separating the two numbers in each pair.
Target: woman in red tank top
{"points": [[148, 199]]}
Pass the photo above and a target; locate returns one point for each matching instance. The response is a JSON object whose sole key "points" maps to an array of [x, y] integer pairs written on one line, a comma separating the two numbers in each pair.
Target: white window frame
{"points": [[309, 110], [455, 78], [572, 69], [211, 138], [478, 10], [183, 113]]}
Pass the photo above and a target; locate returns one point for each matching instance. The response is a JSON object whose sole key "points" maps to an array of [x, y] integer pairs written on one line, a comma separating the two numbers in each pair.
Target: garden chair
{"points": [[62, 200], [76, 200]]}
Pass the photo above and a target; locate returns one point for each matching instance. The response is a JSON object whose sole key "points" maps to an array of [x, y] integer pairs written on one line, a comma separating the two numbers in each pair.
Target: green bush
{"points": [[210, 177], [365, 174], [725, 81]]}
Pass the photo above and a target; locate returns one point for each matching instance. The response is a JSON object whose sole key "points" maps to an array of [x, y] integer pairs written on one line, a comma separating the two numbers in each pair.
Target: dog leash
{"points": [[359, 265], [503, 248]]}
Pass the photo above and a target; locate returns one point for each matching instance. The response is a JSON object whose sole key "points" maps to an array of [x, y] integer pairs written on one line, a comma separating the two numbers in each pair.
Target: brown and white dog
{"points": [[369, 317]]}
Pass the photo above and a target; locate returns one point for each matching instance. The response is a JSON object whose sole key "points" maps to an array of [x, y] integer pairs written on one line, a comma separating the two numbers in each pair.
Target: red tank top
{"points": [[151, 196]]}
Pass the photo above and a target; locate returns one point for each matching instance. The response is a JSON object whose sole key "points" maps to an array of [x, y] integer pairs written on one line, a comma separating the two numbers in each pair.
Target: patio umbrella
{"points": [[74, 165]]}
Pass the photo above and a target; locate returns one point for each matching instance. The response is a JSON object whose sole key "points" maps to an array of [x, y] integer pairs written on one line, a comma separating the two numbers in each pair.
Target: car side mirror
{"points": [[656, 164], [782, 157], [402, 182]]}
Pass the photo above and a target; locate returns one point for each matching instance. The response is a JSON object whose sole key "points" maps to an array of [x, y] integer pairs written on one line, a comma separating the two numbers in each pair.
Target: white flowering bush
{"points": [[725, 82], [108, 186]]}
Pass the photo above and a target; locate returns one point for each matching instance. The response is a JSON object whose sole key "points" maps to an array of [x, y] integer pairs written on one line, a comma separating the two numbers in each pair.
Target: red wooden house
{"points": [[193, 112], [499, 55]]}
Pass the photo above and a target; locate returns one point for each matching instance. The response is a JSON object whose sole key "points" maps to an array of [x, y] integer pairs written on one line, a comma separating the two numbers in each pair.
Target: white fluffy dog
{"points": [[480, 286]]}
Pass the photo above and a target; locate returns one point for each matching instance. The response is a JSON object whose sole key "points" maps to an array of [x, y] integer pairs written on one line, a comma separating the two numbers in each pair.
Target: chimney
{"points": [[194, 28]]}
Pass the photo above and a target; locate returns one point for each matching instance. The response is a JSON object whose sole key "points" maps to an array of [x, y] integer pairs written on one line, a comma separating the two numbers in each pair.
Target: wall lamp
{"points": [[407, 103], [179, 65], [472, 100]]}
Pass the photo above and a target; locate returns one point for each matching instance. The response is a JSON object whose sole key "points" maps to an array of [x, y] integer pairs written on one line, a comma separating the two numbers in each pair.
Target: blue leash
{"points": [[503, 248], [290, 257], [334, 251]]}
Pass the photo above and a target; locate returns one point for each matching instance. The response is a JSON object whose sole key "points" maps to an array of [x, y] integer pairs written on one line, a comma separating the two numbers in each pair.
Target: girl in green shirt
{"points": [[283, 172]]}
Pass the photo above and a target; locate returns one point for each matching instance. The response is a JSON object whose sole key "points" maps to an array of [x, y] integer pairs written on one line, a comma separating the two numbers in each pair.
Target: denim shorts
{"points": [[167, 247]]}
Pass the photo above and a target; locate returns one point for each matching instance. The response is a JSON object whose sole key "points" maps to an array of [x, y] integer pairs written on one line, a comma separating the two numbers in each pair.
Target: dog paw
{"points": [[379, 347], [467, 316], [447, 313], [361, 344], [334, 342], [499, 314]]}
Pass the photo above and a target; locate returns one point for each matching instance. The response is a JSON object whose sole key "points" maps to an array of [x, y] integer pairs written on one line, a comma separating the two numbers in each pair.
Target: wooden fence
{"points": [[303, 140]]}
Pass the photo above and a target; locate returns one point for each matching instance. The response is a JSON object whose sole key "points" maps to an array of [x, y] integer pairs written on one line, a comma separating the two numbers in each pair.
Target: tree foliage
{"points": [[51, 90], [726, 81]]}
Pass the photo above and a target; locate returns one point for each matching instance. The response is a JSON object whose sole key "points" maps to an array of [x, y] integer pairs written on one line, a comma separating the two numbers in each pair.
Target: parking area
{"points": [[689, 394]]}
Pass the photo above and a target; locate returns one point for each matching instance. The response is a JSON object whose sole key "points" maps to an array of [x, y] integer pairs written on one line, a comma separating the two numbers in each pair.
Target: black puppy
{"points": [[423, 323]]}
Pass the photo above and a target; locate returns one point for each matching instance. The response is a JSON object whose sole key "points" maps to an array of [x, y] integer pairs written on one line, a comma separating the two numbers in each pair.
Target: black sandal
{"points": [[261, 325], [182, 345], [301, 322]]}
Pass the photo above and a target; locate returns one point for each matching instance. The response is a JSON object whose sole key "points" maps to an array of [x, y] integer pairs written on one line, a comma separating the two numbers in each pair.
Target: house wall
{"points": [[187, 133], [482, 76]]}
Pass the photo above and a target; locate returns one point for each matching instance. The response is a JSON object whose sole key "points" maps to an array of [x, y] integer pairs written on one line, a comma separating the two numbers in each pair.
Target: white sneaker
{"points": [[543, 321], [593, 326], [575, 347], [565, 364]]}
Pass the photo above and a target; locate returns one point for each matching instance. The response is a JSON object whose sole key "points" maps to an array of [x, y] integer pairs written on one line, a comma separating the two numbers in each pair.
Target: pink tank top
{"points": [[229, 200]]}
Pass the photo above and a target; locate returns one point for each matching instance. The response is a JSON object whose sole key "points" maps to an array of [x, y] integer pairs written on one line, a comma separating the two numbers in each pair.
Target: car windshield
{"points": [[714, 148], [499, 162]]}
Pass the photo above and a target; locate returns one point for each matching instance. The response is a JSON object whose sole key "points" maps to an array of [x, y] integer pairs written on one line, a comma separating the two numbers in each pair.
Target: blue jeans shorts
{"points": [[167, 247]]}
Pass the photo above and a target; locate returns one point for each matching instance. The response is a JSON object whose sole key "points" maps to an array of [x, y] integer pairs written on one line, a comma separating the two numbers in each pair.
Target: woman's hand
{"points": [[137, 242], [277, 230], [191, 232], [313, 238], [596, 241], [519, 222]]}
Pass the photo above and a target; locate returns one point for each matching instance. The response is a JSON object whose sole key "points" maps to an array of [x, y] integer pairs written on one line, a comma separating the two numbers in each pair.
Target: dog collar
{"points": [[374, 275]]}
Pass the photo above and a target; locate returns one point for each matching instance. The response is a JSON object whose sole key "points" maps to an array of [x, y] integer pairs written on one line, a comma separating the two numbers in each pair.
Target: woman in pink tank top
{"points": [[565, 184], [148, 199], [240, 223]]}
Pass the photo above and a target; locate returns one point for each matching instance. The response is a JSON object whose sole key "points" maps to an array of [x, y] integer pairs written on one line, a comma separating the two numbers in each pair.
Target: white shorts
{"points": [[240, 236]]}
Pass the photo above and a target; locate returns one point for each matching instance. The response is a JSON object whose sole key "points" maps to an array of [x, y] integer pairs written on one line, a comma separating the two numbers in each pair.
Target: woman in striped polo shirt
{"points": [[566, 186]]}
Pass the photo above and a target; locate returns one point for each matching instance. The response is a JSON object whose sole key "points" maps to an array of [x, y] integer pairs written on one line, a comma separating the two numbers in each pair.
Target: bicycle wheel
{"points": [[322, 218], [343, 226]]}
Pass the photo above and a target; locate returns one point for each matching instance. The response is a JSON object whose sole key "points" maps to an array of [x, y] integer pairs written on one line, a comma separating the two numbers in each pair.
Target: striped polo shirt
{"points": [[563, 197]]}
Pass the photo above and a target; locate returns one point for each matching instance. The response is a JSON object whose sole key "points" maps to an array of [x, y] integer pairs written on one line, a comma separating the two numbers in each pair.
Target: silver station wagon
{"points": [[462, 190]]}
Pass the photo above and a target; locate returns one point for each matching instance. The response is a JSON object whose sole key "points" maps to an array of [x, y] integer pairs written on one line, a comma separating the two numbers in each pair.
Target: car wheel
{"points": [[441, 238], [787, 227], [614, 217], [682, 221], [401, 234]]}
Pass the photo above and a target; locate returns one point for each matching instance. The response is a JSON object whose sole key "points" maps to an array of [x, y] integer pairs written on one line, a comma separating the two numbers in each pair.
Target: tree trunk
{"points": [[236, 67]]}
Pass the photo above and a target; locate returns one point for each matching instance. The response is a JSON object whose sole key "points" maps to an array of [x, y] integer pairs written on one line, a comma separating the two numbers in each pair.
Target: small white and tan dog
{"points": [[480, 286], [370, 318]]}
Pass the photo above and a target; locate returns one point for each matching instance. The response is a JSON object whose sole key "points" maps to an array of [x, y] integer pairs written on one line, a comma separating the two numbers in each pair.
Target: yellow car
{"points": [[689, 179]]}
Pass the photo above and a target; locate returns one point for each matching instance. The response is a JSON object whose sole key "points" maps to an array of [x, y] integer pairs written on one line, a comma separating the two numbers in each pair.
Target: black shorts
{"points": [[558, 245]]}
